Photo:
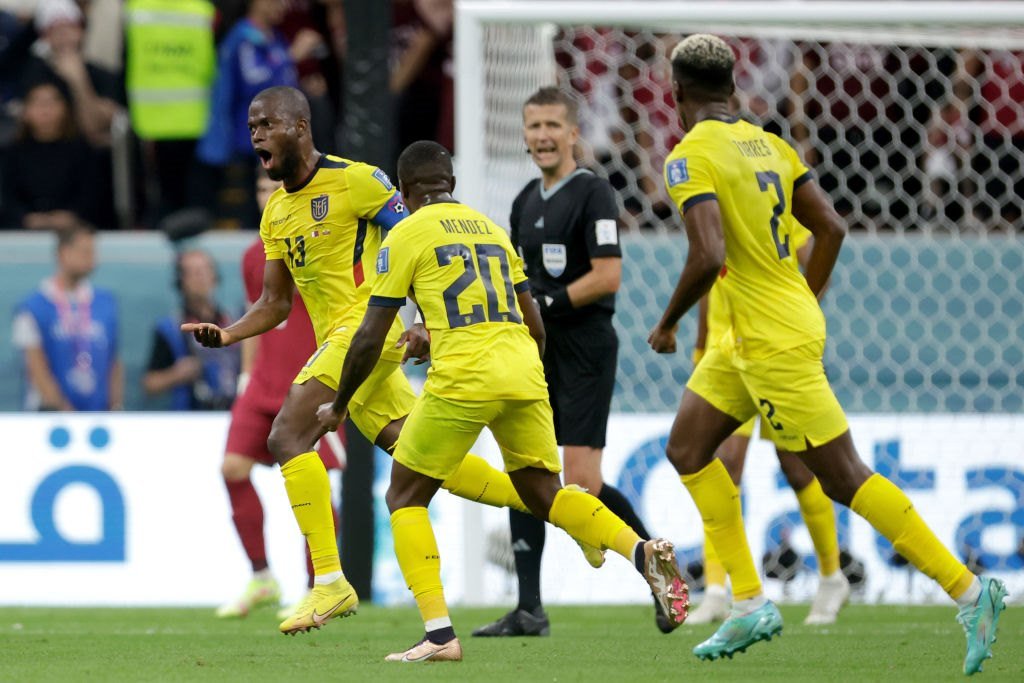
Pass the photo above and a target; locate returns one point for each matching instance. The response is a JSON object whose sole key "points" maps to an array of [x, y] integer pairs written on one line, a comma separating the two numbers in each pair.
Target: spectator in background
{"points": [[421, 71], [97, 95], [67, 330], [48, 174], [171, 65], [253, 56], [197, 378]]}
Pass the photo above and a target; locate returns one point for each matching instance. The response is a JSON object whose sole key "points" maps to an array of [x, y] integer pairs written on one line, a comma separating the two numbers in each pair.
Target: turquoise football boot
{"points": [[979, 621], [736, 634]]}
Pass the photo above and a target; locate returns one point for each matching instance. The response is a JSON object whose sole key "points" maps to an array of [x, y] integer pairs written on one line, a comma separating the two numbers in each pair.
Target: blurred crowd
{"points": [[133, 114], [903, 137]]}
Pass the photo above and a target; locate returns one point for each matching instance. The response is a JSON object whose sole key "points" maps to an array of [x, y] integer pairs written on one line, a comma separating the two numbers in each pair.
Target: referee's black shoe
{"points": [[518, 622]]}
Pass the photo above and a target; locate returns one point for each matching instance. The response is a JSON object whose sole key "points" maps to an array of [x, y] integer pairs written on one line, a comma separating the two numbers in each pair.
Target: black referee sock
{"points": [[527, 548], [619, 504]]}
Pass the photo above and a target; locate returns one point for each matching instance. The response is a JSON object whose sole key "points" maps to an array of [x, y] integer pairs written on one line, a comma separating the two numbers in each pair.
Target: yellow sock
{"points": [[309, 491], [718, 500], [888, 509], [587, 519], [714, 570], [420, 562], [476, 480], [820, 520]]}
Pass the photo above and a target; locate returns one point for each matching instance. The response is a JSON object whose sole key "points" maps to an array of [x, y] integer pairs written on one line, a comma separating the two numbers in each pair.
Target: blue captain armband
{"points": [[392, 212]]}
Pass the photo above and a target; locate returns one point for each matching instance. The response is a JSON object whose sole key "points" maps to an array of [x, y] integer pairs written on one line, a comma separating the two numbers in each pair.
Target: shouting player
{"points": [[269, 363], [321, 232], [741, 191], [465, 276]]}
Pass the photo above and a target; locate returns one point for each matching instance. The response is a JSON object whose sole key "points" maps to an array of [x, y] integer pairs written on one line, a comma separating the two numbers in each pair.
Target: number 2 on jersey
{"points": [[766, 179], [477, 259]]}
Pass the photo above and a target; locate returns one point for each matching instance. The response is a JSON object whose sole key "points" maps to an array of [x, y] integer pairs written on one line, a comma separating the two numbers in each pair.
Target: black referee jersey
{"points": [[557, 231]]}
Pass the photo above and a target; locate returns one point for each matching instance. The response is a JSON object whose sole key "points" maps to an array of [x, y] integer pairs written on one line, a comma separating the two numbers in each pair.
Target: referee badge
{"points": [[554, 258], [676, 172]]}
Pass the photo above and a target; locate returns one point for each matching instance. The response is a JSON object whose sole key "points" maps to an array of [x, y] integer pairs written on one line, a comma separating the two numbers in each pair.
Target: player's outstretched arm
{"points": [[363, 354], [269, 311], [531, 316], [815, 212], [704, 260]]}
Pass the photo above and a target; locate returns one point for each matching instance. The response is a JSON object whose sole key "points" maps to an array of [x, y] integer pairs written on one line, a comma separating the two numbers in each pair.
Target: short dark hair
{"points": [[550, 94], [287, 100], [67, 236], [705, 62], [425, 162]]}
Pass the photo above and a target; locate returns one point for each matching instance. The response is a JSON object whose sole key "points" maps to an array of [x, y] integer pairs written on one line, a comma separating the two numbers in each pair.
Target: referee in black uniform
{"points": [[565, 226]]}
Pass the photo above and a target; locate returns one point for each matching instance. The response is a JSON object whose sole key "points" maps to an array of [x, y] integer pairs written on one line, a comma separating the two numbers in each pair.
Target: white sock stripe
{"points": [[324, 579], [436, 624]]}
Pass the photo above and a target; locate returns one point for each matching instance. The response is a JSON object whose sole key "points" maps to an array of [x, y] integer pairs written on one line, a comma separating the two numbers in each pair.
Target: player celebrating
{"points": [[741, 191], [468, 281], [269, 363], [321, 233], [564, 225], [815, 506]]}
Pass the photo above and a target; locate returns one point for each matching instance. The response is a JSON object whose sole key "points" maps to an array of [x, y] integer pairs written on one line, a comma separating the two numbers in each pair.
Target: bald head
{"points": [[702, 65], [285, 102]]}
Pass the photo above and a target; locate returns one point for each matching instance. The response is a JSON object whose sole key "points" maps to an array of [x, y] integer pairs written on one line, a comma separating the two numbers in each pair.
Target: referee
{"points": [[564, 226]]}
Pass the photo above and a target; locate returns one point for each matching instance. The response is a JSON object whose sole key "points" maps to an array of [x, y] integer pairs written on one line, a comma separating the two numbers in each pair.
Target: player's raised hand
{"points": [[208, 334], [329, 418], [417, 344], [663, 340]]}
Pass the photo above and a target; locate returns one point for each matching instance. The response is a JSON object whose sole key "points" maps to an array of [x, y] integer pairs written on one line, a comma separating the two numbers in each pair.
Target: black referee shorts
{"points": [[579, 364]]}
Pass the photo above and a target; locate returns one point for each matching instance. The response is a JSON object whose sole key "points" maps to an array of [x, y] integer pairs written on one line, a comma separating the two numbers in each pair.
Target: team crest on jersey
{"points": [[676, 172], [318, 207], [554, 258], [383, 179], [383, 261]]}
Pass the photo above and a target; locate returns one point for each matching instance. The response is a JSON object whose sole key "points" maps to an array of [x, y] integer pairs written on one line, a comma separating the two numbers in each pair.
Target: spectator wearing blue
{"points": [[253, 56], [196, 378], [67, 330]]}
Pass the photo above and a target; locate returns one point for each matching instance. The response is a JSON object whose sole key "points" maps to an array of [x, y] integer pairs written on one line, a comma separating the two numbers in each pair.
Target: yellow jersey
{"points": [[752, 175], [719, 316], [462, 271], [328, 231]]}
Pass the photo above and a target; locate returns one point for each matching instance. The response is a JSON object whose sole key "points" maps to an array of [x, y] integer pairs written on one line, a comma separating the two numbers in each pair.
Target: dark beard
{"points": [[286, 168]]}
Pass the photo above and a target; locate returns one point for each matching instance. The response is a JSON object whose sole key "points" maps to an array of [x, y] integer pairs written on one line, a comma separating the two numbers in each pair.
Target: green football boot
{"points": [[979, 621], [736, 634]]}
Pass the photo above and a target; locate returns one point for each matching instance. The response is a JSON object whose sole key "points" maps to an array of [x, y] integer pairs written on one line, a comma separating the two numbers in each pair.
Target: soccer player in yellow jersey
{"points": [[815, 507], [462, 271], [741, 192], [321, 234]]}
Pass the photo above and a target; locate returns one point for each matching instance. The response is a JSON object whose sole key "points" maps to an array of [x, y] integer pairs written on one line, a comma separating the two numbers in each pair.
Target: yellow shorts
{"points": [[384, 397], [788, 389], [440, 432], [746, 429]]}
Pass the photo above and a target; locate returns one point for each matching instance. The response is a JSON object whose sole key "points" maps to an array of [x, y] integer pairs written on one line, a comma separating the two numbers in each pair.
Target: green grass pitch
{"points": [[601, 644]]}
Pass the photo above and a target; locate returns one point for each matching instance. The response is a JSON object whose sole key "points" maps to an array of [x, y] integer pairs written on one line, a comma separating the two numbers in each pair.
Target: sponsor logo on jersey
{"points": [[383, 179], [554, 258], [383, 261], [606, 232], [676, 172], [318, 207]]}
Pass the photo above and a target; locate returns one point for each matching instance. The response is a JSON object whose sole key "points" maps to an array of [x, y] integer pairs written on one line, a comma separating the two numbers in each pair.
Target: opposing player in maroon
{"points": [[269, 364]]}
